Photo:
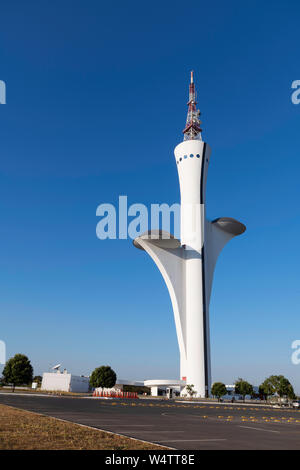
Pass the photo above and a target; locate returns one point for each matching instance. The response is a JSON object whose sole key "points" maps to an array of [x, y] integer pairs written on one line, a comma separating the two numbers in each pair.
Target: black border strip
{"points": [[202, 196]]}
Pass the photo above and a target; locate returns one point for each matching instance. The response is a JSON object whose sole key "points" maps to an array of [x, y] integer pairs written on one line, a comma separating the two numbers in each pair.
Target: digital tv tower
{"points": [[187, 265]]}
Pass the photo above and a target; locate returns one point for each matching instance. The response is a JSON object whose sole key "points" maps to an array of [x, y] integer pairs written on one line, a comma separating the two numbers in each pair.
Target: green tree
{"points": [[103, 377], [262, 391], [242, 387], [277, 384], [290, 392], [190, 390], [268, 387], [18, 371], [38, 379], [218, 390]]}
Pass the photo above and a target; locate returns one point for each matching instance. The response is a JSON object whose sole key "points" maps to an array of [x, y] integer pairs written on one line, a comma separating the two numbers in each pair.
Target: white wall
{"points": [[56, 382], [64, 383]]}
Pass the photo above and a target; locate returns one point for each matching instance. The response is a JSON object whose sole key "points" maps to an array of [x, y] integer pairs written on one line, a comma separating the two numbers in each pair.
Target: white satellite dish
{"points": [[56, 367]]}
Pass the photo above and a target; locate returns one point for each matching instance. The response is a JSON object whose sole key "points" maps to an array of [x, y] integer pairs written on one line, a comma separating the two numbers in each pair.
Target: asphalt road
{"points": [[175, 425]]}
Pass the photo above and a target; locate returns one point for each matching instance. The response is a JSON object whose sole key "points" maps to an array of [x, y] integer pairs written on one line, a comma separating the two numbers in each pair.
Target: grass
{"points": [[23, 430]]}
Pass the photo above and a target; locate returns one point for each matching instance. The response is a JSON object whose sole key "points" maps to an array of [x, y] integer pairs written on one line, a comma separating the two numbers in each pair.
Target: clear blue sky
{"points": [[96, 102]]}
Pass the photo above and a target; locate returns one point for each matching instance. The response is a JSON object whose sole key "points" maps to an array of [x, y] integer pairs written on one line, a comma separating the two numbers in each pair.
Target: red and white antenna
{"points": [[192, 130]]}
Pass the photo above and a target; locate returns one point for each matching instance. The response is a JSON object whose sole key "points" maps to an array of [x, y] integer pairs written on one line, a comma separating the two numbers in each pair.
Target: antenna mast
{"points": [[192, 130]]}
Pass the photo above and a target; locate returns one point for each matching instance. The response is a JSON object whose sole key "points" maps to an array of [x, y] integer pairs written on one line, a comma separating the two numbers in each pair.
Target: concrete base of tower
{"points": [[192, 393]]}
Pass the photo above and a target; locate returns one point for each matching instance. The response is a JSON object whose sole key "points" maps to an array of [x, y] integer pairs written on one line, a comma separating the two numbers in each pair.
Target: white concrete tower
{"points": [[187, 265]]}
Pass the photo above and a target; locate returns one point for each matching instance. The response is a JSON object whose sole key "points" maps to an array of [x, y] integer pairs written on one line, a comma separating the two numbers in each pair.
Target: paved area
{"points": [[179, 426]]}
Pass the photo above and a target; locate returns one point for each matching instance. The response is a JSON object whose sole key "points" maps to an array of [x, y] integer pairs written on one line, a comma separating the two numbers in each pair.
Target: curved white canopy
{"points": [[160, 238]]}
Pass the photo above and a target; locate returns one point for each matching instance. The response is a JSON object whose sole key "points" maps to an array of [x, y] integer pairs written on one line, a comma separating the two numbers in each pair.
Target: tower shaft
{"points": [[192, 157]]}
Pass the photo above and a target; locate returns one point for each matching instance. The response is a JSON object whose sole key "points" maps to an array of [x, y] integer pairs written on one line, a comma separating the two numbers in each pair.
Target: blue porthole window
{"points": [[191, 155], [198, 156], [185, 156], [180, 159]]}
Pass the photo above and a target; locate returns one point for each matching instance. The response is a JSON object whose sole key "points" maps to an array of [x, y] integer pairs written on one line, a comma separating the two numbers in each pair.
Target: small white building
{"points": [[158, 387], [64, 382], [165, 387]]}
